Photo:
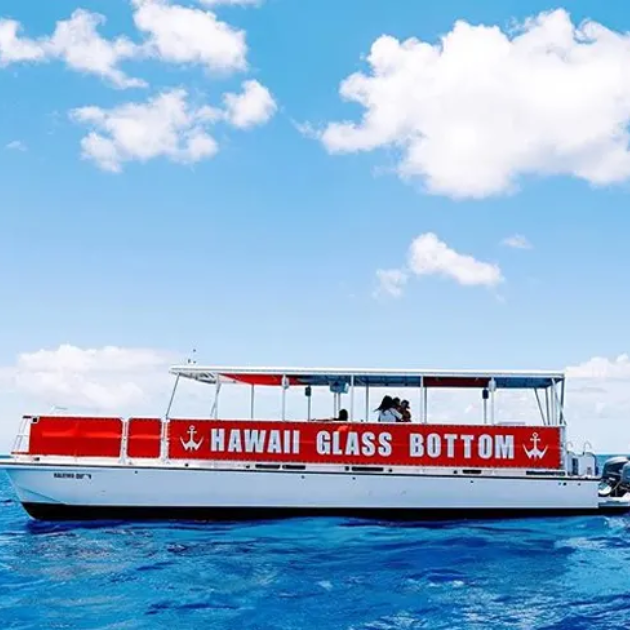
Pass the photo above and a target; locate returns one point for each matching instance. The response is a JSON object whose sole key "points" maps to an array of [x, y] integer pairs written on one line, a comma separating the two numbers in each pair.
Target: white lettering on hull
{"points": [[273, 442], [217, 440], [354, 444], [485, 447], [434, 446]]}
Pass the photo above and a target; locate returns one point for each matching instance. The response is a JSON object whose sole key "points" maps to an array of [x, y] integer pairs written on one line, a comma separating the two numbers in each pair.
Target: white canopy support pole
{"points": [[553, 400], [367, 402], [309, 393], [425, 405], [284, 397], [215, 407], [547, 419], [542, 413], [165, 423], [493, 389], [251, 413], [170, 402], [558, 403], [421, 405], [352, 398], [485, 407]]}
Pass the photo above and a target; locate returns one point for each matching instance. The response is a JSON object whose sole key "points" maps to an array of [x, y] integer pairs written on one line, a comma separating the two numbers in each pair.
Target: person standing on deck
{"points": [[405, 411], [387, 411]]}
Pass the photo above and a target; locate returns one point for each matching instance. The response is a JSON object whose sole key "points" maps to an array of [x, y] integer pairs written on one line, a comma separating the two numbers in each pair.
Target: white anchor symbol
{"points": [[191, 444], [535, 452]]}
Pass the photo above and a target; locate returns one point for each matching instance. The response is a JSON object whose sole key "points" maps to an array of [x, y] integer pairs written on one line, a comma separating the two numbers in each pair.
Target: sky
{"points": [[369, 183]]}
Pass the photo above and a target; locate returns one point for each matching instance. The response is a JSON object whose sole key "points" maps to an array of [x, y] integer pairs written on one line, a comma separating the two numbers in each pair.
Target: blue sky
{"points": [[267, 252]]}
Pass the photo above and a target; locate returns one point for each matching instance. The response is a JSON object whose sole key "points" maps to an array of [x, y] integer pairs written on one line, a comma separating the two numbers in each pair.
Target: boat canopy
{"points": [[338, 377]]}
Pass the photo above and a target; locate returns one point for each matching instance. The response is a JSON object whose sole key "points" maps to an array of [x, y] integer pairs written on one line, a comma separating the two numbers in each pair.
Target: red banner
{"points": [[75, 436], [366, 444], [143, 439]]}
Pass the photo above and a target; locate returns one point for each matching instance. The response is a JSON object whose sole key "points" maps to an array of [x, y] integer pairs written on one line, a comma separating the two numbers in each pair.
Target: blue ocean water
{"points": [[319, 574]]}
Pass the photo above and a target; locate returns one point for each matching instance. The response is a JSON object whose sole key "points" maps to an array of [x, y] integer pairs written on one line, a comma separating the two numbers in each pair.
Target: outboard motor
{"points": [[615, 477]]}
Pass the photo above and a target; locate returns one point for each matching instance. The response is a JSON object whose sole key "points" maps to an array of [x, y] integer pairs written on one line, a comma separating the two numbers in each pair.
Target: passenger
{"points": [[405, 411], [343, 417], [387, 411]]}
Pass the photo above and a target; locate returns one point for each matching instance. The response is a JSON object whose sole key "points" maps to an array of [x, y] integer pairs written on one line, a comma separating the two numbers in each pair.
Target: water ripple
{"points": [[332, 574]]}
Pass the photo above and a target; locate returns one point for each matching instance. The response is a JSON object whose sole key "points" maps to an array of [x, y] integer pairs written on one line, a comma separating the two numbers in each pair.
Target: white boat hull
{"points": [[68, 492]]}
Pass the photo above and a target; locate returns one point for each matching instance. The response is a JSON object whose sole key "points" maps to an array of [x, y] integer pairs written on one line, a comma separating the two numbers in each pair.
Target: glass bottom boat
{"points": [[73, 467]]}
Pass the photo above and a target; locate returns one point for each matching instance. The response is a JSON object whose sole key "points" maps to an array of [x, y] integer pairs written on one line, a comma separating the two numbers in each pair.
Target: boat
{"points": [[68, 467]]}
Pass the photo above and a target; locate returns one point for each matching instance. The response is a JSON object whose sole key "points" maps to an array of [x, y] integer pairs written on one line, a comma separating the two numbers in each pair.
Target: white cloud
{"points": [[602, 368], [471, 114], [165, 126], [102, 379], [429, 256], [172, 33], [517, 241], [14, 48], [598, 403], [391, 281], [179, 34], [76, 42], [253, 106], [79, 360], [16, 145]]}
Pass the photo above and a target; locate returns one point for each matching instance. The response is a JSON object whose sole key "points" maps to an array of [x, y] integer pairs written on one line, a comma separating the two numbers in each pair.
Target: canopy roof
{"points": [[272, 376]]}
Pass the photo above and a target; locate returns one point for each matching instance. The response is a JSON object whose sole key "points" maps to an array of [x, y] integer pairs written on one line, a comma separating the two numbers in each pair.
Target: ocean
{"points": [[313, 573]]}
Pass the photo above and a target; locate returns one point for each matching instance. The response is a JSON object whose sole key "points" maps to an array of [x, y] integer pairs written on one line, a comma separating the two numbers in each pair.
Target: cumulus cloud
{"points": [[179, 34], [171, 33], [76, 42], [602, 368], [83, 360], [598, 403], [102, 379], [471, 114], [429, 256], [167, 126], [14, 48], [517, 241], [164, 126], [253, 106]]}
